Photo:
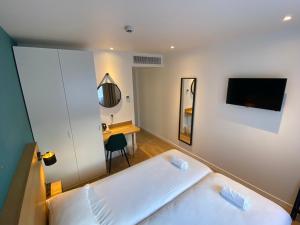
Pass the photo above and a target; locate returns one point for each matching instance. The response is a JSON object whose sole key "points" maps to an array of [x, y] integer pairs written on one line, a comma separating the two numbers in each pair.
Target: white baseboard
{"points": [[287, 206]]}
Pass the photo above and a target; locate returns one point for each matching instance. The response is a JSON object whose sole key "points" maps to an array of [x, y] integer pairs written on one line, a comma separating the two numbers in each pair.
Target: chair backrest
{"points": [[116, 142]]}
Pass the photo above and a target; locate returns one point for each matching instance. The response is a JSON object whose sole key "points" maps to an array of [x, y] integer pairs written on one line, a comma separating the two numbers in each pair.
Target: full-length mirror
{"points": [[186, 113], [109, 94]]}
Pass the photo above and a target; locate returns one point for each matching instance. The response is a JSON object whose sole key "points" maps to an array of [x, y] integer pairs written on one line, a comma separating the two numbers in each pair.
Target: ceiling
{"points": [[186, 24]]}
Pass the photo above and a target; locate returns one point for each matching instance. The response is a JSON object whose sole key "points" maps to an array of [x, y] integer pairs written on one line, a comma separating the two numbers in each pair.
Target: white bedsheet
{"points": [[203, 205], [131, 195]]}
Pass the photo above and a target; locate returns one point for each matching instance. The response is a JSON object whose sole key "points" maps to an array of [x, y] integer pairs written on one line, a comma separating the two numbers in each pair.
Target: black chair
{"points": [[116, 142]]}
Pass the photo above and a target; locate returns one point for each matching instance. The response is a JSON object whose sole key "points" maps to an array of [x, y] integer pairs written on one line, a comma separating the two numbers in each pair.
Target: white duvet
{"points": [[131, 195], [203, 205]]}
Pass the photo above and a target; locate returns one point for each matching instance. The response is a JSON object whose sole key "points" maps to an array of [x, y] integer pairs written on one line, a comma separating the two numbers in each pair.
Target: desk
{"points": [[124, 127]]}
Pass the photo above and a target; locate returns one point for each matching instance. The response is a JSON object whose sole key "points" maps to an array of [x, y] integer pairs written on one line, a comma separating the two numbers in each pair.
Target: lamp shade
{"points": [[49, 158]]}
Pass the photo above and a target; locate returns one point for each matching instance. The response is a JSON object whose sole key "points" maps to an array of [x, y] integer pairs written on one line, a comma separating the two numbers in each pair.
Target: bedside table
{"points": [[53, 189]]}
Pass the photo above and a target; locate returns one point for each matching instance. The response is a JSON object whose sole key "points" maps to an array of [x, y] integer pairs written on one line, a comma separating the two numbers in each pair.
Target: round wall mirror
{"points": [[109, 95]]}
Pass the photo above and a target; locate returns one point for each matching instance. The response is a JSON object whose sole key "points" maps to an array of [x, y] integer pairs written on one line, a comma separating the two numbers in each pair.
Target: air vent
{"points": [[147, 60]]}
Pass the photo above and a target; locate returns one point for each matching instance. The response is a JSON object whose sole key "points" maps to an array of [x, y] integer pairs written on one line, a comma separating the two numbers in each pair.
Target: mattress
{"points": [[203, 205], [131, 195]]}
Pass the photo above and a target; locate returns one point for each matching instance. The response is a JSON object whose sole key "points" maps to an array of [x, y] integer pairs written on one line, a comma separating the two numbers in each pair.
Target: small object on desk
{"points": [[104, 127], [53, 188]]}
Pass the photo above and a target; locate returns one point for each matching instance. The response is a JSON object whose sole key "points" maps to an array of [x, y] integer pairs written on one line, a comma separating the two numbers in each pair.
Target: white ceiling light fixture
{"points": [[111, 48], [172, 47], [287, 18]]}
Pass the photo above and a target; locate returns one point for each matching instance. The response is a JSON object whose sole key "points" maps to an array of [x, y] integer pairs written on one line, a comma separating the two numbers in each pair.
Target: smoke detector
{"points": [[129, 29]]}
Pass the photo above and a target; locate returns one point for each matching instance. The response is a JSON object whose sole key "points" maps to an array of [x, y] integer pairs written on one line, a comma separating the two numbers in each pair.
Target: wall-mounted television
{"points": [[264, 93]]}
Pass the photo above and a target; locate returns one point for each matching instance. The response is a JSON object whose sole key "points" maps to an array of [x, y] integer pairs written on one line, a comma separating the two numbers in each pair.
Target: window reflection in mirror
{"points": [[186, 114]]}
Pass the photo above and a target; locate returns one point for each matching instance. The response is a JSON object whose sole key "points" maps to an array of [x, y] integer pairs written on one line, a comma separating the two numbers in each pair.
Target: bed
{"points": [[203, 205], [152, 192], [135, 193]]}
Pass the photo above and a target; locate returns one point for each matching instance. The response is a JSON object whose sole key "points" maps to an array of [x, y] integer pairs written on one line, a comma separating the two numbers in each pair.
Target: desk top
{"points": [[125, 128]]}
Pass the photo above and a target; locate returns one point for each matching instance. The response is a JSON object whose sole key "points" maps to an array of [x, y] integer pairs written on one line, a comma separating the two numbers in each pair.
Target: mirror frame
{"points": [[180, 105], [101, 84]]}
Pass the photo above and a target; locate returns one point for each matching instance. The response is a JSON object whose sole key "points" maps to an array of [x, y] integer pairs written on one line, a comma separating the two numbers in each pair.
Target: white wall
{"points": [[119, 66], [135, 78], [259, 146]]}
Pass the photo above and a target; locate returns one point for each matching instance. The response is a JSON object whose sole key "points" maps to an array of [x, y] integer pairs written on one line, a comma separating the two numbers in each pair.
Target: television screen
{"points": [[264, 93]]}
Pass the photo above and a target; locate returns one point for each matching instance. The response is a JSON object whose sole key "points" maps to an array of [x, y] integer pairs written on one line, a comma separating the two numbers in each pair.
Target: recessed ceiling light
{"points": [[111, 48], [287, 18], [172, 47]]}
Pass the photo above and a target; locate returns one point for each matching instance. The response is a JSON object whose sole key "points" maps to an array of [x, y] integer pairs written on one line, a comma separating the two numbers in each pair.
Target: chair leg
{"points": [[110, 153], [106, 158], [122, 153], [126, 156]]}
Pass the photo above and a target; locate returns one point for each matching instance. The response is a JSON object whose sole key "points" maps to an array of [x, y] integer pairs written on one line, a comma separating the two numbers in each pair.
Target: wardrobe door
{"points": [[43, 90], [81, 91]]}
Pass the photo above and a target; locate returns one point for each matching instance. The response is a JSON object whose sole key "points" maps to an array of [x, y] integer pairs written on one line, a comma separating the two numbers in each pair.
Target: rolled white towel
{"points": [[235, 198], [180, 163]]}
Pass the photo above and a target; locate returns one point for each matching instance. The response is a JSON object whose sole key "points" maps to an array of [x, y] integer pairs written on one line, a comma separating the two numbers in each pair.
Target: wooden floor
{"points": [[147, 147]]}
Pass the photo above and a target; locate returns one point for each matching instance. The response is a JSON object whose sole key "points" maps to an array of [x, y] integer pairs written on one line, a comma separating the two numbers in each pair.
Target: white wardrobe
{"points": [[60, 92]]}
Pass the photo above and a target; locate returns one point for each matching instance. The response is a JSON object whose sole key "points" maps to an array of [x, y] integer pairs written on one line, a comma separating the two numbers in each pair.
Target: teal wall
{"points": [[15, 129]]}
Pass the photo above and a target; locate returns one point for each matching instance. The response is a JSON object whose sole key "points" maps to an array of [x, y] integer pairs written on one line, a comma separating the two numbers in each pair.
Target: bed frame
{"points": [[26, 200]]}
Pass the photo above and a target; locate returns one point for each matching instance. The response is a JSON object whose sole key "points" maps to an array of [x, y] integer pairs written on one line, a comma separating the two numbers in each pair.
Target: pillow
{"points": [[71, 208]]}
